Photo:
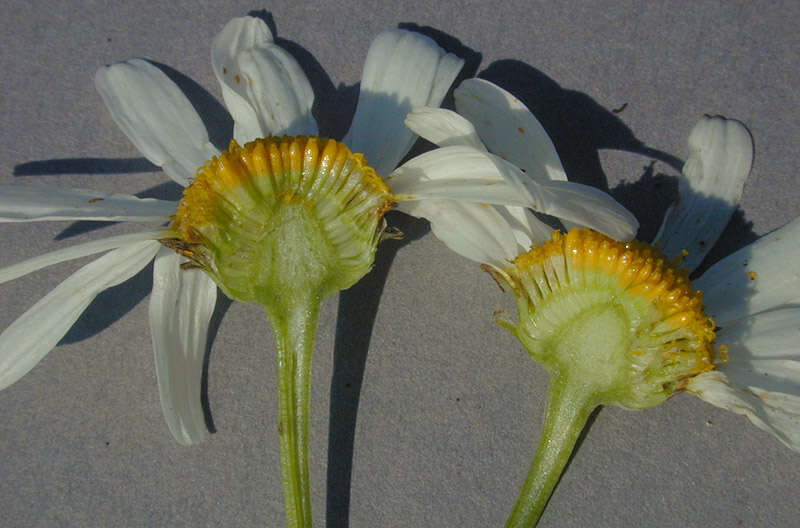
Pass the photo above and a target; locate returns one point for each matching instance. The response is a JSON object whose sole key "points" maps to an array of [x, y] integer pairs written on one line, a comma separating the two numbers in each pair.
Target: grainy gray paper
{"points": [[448, 405]]}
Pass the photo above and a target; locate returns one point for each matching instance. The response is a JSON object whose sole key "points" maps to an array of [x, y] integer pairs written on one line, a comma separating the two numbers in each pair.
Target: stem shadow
{"points": [[358, 307]]}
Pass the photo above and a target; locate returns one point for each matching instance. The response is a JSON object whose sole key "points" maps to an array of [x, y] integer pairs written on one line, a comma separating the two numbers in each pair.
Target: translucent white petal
{"points": [[443, 127], [758, 277], [720, 156], [587, 206], [447, 163], [573, 203], [403, 70], [22, 203], [528, 229], [761, 378], [180, 310], [77, 251], [37, 331], [764, 351], [466, 173], [487, 190], [774, 412], [155, 115], [238, 35], [279, 91], [508, 128], [475, 231], [458, 172]]}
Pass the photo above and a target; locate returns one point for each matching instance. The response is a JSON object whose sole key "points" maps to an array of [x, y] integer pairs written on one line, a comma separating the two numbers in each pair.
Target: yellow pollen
{"points": [[722, 354]]}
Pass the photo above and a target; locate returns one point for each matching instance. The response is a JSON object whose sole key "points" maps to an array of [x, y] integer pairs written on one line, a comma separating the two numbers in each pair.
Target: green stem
{"points": [[294, 328], [569, 406]]}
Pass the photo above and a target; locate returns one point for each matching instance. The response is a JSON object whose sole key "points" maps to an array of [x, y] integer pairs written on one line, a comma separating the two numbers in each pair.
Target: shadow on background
{"points": [[84, 166], [355, 318]]}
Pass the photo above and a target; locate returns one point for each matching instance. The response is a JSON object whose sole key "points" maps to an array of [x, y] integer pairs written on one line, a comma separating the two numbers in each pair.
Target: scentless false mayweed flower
{"points": [[619, 322], [299, 217], [294, 213], [284, 221]]}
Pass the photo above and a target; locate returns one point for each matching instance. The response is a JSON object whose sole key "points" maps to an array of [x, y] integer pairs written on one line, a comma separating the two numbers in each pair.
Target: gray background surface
{"points": [[448, 405]]}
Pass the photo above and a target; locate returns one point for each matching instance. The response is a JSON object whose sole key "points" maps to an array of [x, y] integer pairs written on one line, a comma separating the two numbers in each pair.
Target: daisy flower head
{"points": [[620, 322], [283, 218]]}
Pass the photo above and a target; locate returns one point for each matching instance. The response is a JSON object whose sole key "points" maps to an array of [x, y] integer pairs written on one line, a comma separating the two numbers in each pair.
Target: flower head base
{"points": [[618, 315], [280, 215]]}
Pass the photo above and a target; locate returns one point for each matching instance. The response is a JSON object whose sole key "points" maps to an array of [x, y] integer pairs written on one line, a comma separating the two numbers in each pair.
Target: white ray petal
{"points": [[403, 70], [181, 306], [475, 231], [763, 351], [37, 331], [278, 89], [758, 277], [77, 251], [458, 172], [528, 229], [23, 203], [761, 378], [156, 116], [238, 35], [587, 206], [572, 203], [466, 173], [774, 412], [443, 127], [720, 157], [508, 128]]}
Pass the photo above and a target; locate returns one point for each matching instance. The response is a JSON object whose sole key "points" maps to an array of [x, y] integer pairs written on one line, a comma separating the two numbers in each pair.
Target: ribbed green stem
{"points": [[294, 328], [569, 406]]}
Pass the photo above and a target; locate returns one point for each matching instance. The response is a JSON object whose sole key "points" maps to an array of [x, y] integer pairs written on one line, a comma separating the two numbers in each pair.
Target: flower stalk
{"points": [[569, 406], [294, 328]]}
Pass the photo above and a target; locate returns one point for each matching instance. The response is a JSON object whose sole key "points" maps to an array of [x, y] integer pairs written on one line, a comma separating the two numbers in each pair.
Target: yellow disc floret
{"points": [[261, 217], [620, 312]]}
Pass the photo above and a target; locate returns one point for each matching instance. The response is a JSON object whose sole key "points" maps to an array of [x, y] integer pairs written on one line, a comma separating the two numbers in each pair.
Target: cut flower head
{"points": [[283, 218], [619, 322], [282, 214]]}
